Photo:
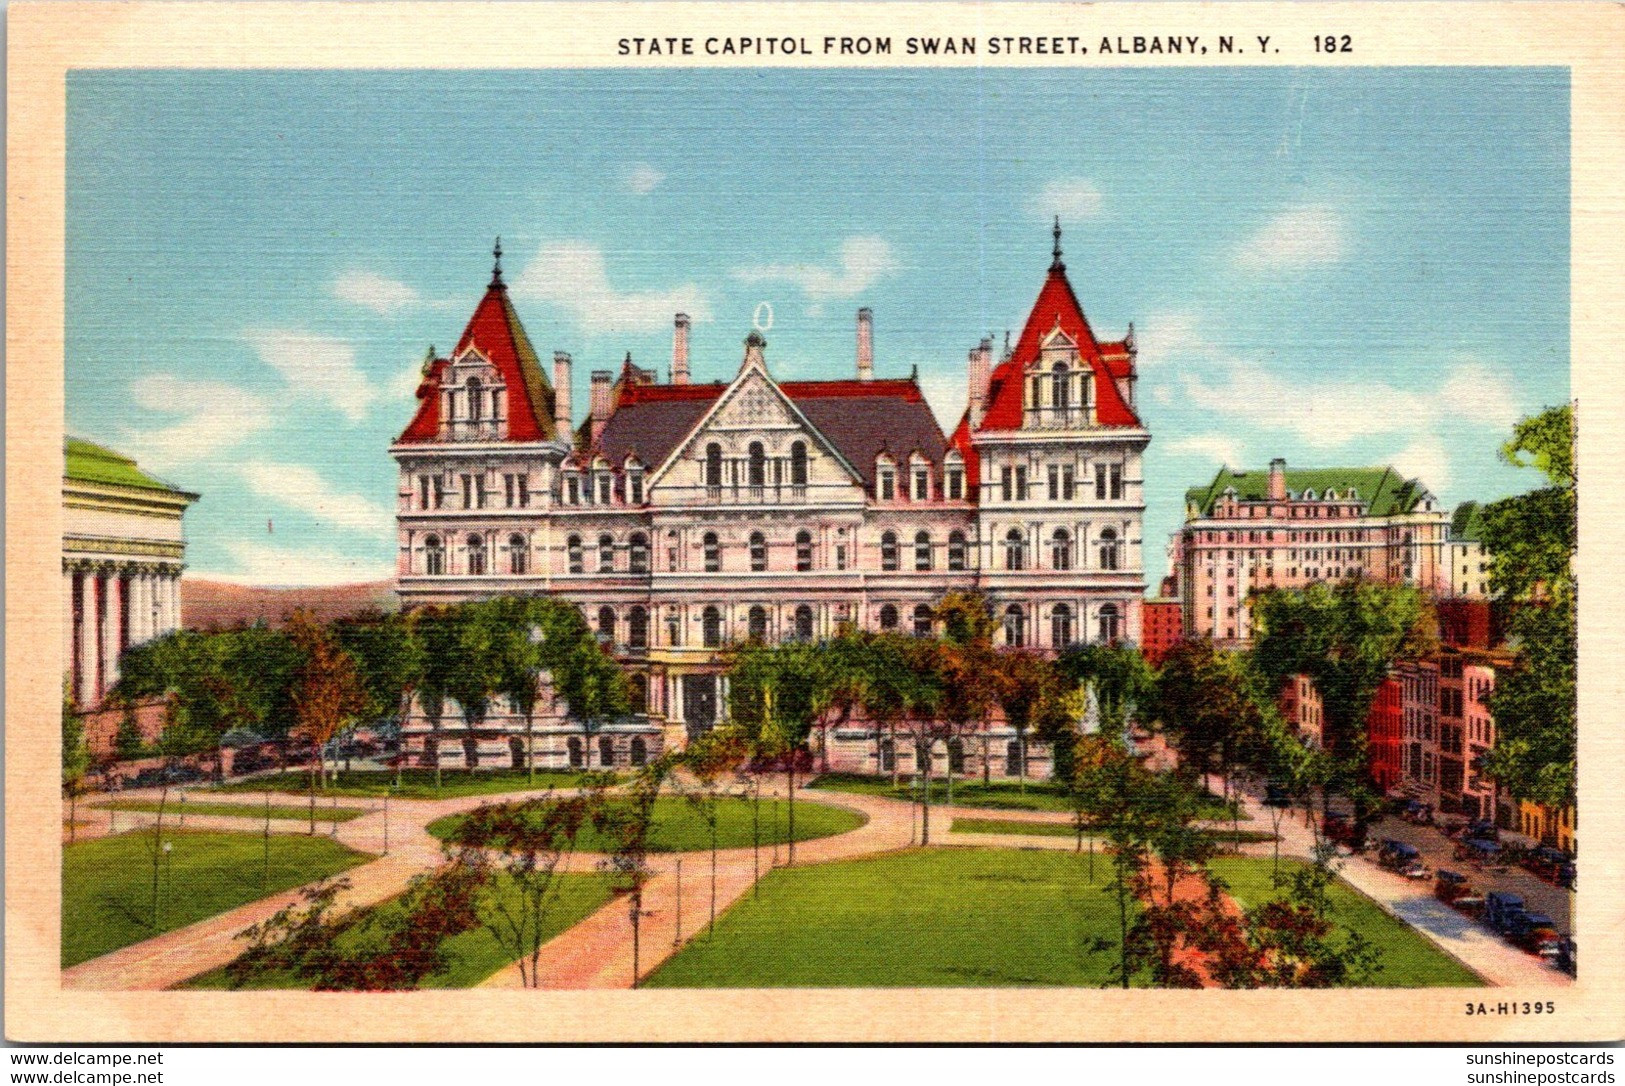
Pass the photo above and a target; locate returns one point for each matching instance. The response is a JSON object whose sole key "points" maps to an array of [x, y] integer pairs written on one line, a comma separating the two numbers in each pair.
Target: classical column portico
{"points": [[89, 671]]}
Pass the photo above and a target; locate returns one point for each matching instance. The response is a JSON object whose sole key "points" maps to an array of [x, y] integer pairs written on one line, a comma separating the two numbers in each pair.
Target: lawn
{"points": [[172, 809], [473, 955], [107, 894], [680, 826], [919, 918], [1409, 959], [1007, 795], [1066, 829], [415, 783]]}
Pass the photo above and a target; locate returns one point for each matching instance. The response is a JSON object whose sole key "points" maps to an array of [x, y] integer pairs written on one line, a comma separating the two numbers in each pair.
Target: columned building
{"points": [[685, 516], [122, 555]]}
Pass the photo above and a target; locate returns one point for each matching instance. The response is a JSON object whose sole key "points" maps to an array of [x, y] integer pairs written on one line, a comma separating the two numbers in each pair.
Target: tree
{"points": [[708, 758], [1532, 539], [779, 692], [1110, 787], [437, 634], [327, 691], [1205, 701], [1029, 690], [75, 758], [628, 825], [388, 659], [531, 841], [970, 671]]}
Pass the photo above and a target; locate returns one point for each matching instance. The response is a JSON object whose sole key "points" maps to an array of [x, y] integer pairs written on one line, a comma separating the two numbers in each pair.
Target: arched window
{"points": [[573, 745], [713, 552], [1109, 630], [1108, 549], [758, 552], [476, 400], [713, 466], [1060, 626], [711, 627], [1015, 626], [1061, 386], [888, 756], [888, 617], [804, 623], [434, 556], [922, 621], [606, 625], [476, 555], [638, 693], [888, 551], [1060, 550], [798, 464], [922, 550], [606, 751], [956, 550], [1015, 550], [758, 464], [606, 554], [956, 755], [804, 551], [637, 628], [757, 624], [638, 553], [640, 751], [572, 547], [516, 553]]}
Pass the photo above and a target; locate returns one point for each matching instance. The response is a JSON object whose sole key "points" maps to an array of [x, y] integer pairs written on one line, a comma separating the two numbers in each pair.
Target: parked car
{"points": [[1276, 795], [1417, 813], [1534, 932], [1478, 851], [1340, 829], [1564, 958], [1544, 862], [1402, 859], [1450, 886], [1483, 829]]}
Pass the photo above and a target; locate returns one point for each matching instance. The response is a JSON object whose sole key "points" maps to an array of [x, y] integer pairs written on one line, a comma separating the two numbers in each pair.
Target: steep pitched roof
{"points": [[85, 462], [1382, 490], [496, 332], [1057, 306], [859, 418]]}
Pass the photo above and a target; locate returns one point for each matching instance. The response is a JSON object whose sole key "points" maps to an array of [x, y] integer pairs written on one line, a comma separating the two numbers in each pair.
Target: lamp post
{"points": [[386, 823], [677, 940], [157, 897]]}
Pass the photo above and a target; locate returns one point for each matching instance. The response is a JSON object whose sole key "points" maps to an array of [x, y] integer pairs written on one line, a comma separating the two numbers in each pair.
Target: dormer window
{"points": [[634, 481], [798, 464], [885, 479], [953, 477], [919, 478]]}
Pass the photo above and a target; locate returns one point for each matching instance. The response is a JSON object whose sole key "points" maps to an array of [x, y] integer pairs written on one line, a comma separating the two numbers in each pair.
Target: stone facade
{"points": [[122, 555], [683, 517]]}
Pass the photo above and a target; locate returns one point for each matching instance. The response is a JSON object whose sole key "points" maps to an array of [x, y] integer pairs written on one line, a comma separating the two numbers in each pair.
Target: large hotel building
{"points": [[686, 515]]}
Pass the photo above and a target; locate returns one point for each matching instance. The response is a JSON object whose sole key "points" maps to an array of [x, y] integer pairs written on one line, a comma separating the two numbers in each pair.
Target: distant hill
{"points": [[216, 605]]}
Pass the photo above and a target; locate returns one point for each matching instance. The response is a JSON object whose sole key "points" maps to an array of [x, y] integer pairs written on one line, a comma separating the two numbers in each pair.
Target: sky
{"points": [[1340, 267]]}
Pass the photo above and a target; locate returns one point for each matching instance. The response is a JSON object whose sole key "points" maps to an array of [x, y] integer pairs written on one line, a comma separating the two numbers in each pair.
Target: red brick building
{"points": [[1161, 628], [1383, 729]]}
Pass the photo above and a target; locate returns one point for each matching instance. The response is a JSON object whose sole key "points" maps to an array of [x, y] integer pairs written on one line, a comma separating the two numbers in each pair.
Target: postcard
{"points": [[733, 522]]}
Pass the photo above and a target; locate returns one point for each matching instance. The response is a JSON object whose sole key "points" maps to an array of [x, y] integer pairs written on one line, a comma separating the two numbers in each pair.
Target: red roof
{"points": [[1058, 306], [495, 331]]}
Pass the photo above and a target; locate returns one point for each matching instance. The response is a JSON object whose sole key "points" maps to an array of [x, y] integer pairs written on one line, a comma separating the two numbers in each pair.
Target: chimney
{"points": [[1278, 480], [561, 395], [598, 402], [980, 368], [679, 350], [866, 345]]}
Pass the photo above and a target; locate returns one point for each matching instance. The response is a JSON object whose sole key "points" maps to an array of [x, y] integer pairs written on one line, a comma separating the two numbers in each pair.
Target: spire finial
{"points": [[1056, 264], [496, 268]]}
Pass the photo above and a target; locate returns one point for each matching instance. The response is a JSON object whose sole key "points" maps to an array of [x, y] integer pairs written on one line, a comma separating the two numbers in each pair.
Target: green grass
{"points": [[415, 783], [1066, 829], [173, 809], [680, 826], [107, 883], [1409, 959], [919, 918], [1004, 794], [473, 955]]}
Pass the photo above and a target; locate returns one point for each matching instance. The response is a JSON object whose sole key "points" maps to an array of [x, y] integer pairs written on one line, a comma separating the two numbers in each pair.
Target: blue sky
{"points": [[1339, 267]]}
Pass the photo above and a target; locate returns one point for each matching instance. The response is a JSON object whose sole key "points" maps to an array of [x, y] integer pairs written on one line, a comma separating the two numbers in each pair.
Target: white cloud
{"points": [[1478, 394], [305, 489], [864, 262], [1300, 237], [946, 393], [317, 366], [375, 292], [643, 178], [1072, 198], [1425, 459], [1215, 447], [213, 416], [273, 565], [1166, 336], [573, 275]]}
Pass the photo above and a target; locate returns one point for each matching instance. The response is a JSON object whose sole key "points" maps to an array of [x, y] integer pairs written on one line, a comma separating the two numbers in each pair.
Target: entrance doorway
{"points": [[699, 703]]}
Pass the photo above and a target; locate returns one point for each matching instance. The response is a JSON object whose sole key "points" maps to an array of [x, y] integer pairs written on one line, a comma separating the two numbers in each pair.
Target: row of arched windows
{"points": [[1061, 550], [637, 551], [1062, 628], [891, 554], [757, 467], [514, 556], [637, 752]]}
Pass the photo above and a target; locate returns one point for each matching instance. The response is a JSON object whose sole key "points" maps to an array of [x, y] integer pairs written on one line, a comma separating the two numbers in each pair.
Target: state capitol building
{"points": [[688, 515]]}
